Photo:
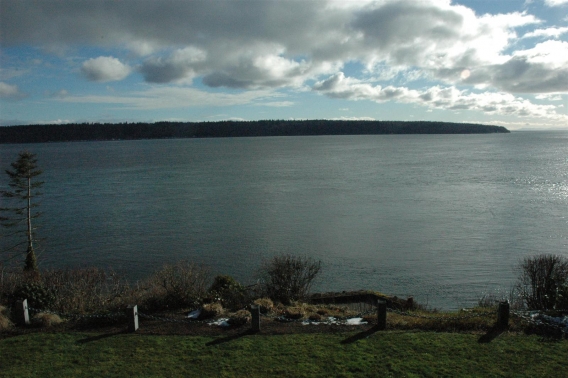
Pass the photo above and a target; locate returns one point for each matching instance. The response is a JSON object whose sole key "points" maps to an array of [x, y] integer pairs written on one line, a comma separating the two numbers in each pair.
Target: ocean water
{"points": [[443, 218]]}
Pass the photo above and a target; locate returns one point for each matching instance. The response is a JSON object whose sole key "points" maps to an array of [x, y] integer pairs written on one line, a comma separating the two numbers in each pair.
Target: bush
{"points": [[86, 290], [289, 278], [39, 296], [562, 297], [75, 291], [542, 281], [5, 322], [230, 292], [46, 320], [182, 285]]}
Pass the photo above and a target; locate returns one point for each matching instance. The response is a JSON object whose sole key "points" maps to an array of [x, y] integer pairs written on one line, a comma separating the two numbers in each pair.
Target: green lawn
{"points": [[382, 354]]}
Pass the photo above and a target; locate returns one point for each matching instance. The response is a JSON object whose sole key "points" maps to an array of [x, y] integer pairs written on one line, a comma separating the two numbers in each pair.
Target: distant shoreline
{"points": [[225, 129]]}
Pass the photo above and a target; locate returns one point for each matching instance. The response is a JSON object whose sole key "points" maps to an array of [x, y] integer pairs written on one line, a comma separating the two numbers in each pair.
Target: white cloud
{"points": [[277, 104], [256, 44], [163, 97], [10, 92], [353, 119], [555, 3], [549, 97], [541, 69], [181, 65], [447, 98], [548, 32], [104, 68]]}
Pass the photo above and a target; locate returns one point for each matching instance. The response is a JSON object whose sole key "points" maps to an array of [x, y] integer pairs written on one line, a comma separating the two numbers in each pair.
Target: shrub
{"points": [[230, 292], [46, 320], [5, 322], [289, 278], [562, 297], [542, 280], [86, 290], [181, 285], [38, 295]]}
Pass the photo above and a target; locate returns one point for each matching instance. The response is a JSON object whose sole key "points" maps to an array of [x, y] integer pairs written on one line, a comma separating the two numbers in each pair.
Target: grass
{"points": [[390, 353]]}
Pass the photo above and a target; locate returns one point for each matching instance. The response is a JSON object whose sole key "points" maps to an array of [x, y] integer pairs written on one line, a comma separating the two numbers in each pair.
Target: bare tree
{"points": [[541, 279], [289, 278]]}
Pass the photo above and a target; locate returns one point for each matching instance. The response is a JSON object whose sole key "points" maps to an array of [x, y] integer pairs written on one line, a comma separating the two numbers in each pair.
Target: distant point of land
{"points": [[224, 129]]}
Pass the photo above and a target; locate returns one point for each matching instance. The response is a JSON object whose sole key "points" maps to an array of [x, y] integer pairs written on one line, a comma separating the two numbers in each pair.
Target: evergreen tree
{"points": [[23, 188]]}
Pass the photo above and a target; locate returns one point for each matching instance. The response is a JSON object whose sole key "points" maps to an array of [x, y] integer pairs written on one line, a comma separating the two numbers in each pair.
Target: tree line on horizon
{"points": [[222, 129]]}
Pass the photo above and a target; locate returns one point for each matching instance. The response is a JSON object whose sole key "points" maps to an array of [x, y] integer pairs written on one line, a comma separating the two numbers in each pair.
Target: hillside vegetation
{"points": [[164, 130]]}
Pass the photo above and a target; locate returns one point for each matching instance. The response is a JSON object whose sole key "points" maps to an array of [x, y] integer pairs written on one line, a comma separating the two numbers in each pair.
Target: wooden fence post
{"points": [[503, 315], [21, 312], [132, 314], [381, 314], [255, 321]]}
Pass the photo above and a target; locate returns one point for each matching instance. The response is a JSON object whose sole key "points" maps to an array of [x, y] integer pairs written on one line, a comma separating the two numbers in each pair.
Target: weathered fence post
{"points": [[381, 314], [255, 321], [503, 315], [132, 314], [21, 313]]}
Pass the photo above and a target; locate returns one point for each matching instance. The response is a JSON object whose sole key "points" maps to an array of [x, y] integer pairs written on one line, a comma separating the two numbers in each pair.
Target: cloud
{"points": [[541, 69], [555, 3], [10, 92], [437, 97], [163, 97], [104, 69], [549, 97], [277, 104], [62, 93], [548, 32], [258, 44], [353, 119], [180, 65]]}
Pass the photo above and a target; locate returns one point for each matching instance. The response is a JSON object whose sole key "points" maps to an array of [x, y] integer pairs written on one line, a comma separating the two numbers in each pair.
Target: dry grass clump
{"points": [[461, 321], [335, 311], [211, 310], [315, 317], [295, 312], [239, 318], [44, 319], [300, 310], [5, 322], [266, 305]]}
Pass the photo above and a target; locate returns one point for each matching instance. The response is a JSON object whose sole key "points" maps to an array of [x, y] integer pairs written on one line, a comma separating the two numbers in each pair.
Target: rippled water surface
{"points": [[441, 217]]}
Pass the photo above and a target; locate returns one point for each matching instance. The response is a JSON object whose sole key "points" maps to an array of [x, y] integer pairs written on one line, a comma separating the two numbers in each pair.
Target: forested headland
{"points": [[222, 129]]}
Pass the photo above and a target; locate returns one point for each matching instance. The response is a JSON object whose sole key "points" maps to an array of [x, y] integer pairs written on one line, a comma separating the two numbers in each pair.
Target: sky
{"points": [[498, 62]]}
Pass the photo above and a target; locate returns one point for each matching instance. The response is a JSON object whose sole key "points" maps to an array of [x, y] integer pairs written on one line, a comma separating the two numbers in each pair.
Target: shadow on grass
{"points": [[361, 335], [100, 337], [232, 337], [491, 334]]}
